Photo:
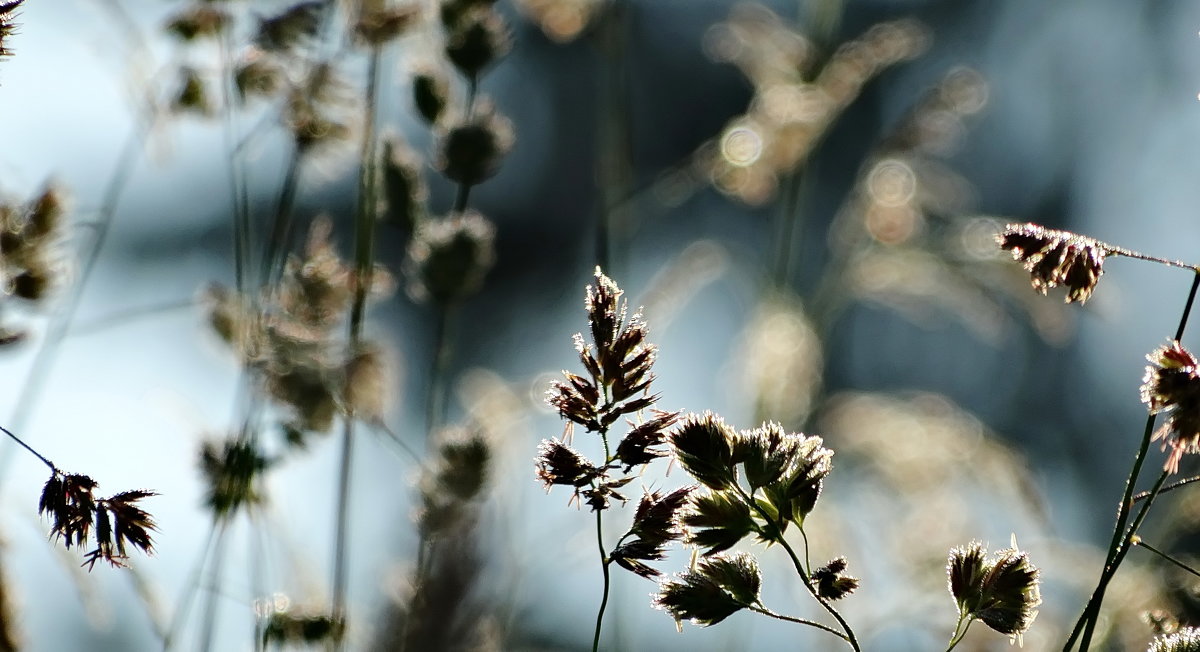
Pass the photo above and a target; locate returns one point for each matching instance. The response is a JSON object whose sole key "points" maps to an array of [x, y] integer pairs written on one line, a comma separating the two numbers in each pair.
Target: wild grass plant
{"points": [[713, 519]]}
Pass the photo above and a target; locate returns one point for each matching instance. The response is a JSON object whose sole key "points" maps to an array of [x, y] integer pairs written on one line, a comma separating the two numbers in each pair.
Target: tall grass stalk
{"points": [[364, 251], [1122, 537]]}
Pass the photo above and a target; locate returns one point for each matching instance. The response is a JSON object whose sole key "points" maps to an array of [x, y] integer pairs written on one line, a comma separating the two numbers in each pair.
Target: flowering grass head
{"points": [[1171, 386], [1055, 258]]}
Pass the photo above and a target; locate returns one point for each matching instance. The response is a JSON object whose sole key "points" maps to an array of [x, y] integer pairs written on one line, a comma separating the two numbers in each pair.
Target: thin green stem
{"points": [[807, 560], [435, 399], [604, 563], [192, 587], [364, 250], [208, 627], [1129, 253], [1137, 541], [958, 636], [1171, 487], [29, 448], [1120, 538], [759, 609], [1111, 570], [800, 569]]}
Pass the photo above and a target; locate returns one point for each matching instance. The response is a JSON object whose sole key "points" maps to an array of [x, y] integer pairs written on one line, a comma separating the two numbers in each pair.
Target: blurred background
{"points": [[809, 229]]}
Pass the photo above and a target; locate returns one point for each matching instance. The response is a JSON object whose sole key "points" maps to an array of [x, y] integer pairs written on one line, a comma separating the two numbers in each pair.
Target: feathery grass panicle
{"points": [[718, 587], [654, 526], [405, 189], [292, 27], [449, 257], [8, 25], [1055, 258], [117, 520], [1171, 386], [832, 582], [1001, 590], [198, 21], [29, 234], [431, 93], [232, 470], [378, 23], [477, 39], [1186, 639], [470, 151], [285, 627]]}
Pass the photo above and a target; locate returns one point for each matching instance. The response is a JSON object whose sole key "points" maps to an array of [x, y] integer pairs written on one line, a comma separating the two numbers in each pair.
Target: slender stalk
{"points": [[193, 586], [27, 447], [800, 570], [759, 609], [364, 250], [605, 561], [1171, 487], [1129, 253], [209, 627], [435, 403], [1120, 538], [604, 564], [1137, 541], [958, 636], [43, 360]]}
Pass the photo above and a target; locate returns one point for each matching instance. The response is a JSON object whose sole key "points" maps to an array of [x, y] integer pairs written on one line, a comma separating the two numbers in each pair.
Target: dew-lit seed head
{"points": [[470, 152], [381, 24], [198, 21], [1186, 639], [478, 40], [1171, 386], [832, 582], [403, 186], [192, 95], [430, 95], [1055, 258], [703, 444], [257, 75], [290, 27], [7, 24], [1002, 591], [717, 588], [449, 257]]}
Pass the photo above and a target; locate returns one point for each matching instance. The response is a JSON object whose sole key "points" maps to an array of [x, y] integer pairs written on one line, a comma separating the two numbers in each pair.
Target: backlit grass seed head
{"points": [[192, 95], [7, 24], [703, 444], [431, 93], [470, 151], [199, 21], [478, 40], [381, 24], [28, 235], [1171, 386], [291, 27], [832, 582], [717, 588], [716, 521], [449, 257], [368, 383], [284, 627], [454, 481], [77, 513], [644, 442], [1055, 258], [232, 471], [403, 185], [1002, 591], [654, 526], [257, 75], [1184, 640], [558, 463]]}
